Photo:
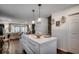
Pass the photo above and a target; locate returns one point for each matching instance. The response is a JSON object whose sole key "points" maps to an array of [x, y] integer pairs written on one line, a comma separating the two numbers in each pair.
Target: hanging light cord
{"points": [[39, 9], [33, 13]]}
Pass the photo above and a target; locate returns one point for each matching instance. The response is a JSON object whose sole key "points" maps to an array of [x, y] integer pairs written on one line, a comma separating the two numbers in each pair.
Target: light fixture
{"points": [[39, 19], [33, 22]]}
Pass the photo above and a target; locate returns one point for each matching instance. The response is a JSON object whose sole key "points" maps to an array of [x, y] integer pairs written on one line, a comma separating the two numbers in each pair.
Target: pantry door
{"points": [[74, 34]]}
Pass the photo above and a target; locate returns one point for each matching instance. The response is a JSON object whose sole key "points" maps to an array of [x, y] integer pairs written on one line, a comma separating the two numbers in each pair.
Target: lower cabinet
{"points": [[33, 47]]}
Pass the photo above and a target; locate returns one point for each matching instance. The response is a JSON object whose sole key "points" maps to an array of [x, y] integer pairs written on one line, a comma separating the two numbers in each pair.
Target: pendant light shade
{"points": [[39, 19], [33, 22]]}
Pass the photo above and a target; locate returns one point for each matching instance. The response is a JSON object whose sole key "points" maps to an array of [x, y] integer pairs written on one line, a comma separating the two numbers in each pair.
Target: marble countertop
{"points": [[42, 39]]}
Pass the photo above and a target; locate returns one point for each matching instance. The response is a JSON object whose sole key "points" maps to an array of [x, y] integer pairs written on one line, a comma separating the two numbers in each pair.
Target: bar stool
{"points": [[6, 44]]}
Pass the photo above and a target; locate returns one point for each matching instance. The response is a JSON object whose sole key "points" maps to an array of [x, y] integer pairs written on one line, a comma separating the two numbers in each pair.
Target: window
{"points": [[18, 28]]}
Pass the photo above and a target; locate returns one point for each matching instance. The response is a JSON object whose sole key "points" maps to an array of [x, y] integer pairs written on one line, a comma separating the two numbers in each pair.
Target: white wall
{"points": [[62, 32], [42, 27]]}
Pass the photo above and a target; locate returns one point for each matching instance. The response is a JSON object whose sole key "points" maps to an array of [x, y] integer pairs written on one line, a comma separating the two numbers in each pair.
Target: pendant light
{"points": [[39, 19], [33, 22]]}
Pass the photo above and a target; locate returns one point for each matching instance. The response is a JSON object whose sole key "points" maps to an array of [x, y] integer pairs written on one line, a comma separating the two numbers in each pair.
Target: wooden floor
{"points": [[15, 48], [62, 52]]}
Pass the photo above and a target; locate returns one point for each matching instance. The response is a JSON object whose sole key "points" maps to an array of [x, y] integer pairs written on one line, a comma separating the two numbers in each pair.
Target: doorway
{"points": [[33, 28], [1, 29], [49, 25]]}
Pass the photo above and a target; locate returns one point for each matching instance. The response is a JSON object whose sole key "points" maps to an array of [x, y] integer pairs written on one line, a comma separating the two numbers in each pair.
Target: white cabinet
{"points": [[38, 46]]}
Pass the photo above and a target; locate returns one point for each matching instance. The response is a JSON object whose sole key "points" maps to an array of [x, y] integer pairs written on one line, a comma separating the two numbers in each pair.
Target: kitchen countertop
{"points": [[42, 39]]}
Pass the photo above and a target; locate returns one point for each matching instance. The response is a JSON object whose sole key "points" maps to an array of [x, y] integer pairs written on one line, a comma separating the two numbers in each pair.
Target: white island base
{"points": [[41, 45]]}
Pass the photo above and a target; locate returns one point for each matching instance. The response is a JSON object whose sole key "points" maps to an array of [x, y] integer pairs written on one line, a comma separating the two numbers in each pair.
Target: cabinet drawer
{"points": [[33, 46]]}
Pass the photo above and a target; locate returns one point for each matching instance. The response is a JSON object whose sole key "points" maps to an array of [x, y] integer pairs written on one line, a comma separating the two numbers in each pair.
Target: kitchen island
{"points": [[34, 45]]}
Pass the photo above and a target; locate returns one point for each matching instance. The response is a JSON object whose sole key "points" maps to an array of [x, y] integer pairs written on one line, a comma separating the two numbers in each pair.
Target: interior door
{"points": [[74, 34]]}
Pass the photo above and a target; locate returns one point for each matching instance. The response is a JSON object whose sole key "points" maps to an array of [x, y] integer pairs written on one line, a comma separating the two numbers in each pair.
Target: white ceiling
{"points": [[24, 11]]}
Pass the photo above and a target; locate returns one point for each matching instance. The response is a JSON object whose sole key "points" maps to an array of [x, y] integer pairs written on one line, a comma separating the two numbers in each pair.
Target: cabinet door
{"points": [[74, 34]]}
